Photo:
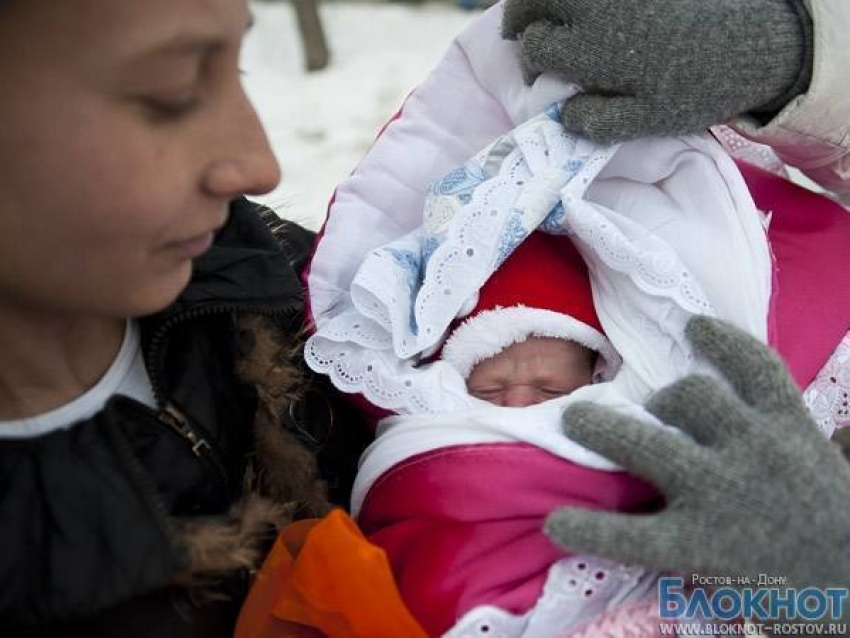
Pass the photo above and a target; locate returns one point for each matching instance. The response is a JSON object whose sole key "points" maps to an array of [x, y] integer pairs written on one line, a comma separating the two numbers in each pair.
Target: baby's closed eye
{"points": [[487, 393]]}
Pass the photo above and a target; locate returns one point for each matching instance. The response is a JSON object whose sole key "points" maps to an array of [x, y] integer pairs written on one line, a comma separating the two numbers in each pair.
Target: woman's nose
{"points": [[247, 165], [519, 396]]}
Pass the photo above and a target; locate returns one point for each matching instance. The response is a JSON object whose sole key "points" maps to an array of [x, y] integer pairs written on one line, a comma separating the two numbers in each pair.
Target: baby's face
{"points": [[532, 371]]}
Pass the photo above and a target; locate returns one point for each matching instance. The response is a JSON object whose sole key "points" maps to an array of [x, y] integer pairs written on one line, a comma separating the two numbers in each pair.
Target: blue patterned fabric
{"points": [[474, 217], [412, 265]]}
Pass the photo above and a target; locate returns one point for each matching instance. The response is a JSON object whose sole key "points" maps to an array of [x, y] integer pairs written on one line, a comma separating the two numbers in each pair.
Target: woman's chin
{"points": [[158, 295]]}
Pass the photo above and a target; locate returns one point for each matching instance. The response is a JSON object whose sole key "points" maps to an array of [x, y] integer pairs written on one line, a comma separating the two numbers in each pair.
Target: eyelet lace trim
{"points": [[828, 396], [578, 590], [750, 152]]}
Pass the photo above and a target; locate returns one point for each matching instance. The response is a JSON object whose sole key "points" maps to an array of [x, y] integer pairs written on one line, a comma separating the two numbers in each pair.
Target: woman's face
{"points": [[531, 372], [124, 131]]}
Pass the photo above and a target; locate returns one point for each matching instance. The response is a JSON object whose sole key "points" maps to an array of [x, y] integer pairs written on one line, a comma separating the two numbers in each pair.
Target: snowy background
{"points": [[322, 123]]}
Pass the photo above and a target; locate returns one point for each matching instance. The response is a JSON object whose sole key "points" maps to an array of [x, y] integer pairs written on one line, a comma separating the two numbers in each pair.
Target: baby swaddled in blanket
{"points": [[462, 523], [458, 483]]}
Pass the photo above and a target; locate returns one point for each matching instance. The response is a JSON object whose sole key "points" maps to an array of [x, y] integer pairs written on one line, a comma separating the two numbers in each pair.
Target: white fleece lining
{"points": [[488, 333]]}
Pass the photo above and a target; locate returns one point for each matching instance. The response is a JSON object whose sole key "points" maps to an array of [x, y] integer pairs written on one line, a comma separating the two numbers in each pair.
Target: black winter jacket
{"points": [[85, 545]]}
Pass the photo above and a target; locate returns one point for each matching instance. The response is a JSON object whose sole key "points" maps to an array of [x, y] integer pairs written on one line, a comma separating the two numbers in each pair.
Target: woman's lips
{"points": [[192, 247]]}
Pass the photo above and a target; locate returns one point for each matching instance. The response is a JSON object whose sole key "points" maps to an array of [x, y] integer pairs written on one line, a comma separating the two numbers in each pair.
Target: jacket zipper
{"points": [[168, 413], [174, 418]]}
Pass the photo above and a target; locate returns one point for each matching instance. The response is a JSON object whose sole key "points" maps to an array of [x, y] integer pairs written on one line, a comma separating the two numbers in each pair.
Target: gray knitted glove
{"points": [[842, 439], [757, 490], [665, 67]]}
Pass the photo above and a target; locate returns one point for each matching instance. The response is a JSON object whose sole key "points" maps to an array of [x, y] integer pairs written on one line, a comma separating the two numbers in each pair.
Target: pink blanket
{"points": [[452, 519], [809, 236]]}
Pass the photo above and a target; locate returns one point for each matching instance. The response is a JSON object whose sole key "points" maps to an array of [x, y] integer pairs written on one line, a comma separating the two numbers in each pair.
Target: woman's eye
{"points": [[168, 108]]}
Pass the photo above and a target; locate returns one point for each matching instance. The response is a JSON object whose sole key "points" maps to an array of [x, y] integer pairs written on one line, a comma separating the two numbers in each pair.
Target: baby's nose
{"points": [[519, 396]]}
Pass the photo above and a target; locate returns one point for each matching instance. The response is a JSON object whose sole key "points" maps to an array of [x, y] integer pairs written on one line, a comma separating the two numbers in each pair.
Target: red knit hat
{"points": [[542, 289]]}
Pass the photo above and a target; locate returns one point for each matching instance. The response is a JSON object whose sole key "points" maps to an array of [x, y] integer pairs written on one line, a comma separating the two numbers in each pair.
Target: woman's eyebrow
{"points": [[188, 44]]}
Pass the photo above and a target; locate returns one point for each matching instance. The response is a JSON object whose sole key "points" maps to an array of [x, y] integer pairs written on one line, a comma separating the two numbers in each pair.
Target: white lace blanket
{"points": [[666, 227]]}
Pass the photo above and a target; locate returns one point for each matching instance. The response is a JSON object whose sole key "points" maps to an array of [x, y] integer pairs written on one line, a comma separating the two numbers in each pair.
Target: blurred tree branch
{"points": [[316, 54]]}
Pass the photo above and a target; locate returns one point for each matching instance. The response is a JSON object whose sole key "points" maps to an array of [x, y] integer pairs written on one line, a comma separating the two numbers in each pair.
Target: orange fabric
{"points": [[323, 578]]}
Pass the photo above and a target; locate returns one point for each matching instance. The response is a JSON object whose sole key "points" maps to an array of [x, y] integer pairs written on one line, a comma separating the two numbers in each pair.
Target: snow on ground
{"points": [[322, 123]]}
